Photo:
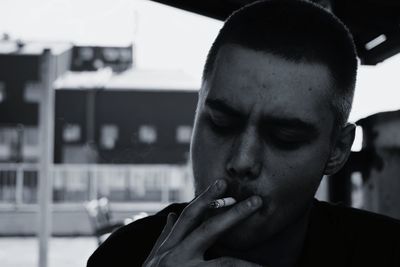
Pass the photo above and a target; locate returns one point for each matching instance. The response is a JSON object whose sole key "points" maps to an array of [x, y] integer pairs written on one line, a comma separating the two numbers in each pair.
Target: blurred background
{"points": [[97, 99]]}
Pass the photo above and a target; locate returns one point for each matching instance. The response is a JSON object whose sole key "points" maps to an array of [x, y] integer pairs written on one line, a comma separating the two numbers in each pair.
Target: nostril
{"points": [[248, 172], [231, 171], [240, 174]]}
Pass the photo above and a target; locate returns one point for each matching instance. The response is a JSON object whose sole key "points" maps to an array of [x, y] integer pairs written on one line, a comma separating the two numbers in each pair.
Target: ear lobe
{"points": [[341, 150]]}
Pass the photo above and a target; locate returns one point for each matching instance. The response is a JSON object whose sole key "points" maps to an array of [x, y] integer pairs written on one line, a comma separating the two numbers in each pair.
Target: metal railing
{"points": [[18, 184], [73, 183]]}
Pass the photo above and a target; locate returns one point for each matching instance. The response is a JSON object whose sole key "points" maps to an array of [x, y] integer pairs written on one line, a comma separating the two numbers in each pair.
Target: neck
{"points": [[282, 250]]}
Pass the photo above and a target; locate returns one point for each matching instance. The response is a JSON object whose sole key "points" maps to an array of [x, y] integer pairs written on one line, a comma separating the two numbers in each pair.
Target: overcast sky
{"points": [[166, 38]]}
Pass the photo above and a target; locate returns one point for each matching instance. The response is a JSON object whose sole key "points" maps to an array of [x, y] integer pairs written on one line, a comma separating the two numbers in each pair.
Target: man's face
{"points": [[264, 124]]}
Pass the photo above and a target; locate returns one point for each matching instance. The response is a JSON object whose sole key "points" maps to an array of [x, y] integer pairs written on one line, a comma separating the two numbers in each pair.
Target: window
{"points": [[8, 135], [147, 134], [31, 136], [2, 92], [71, 133], [183, 134], [108, 136], [110, 54], [86, 53], [33, 92]]}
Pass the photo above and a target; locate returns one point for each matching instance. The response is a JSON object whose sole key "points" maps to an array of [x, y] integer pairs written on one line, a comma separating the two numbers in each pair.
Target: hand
{"points": [[183, 241]]}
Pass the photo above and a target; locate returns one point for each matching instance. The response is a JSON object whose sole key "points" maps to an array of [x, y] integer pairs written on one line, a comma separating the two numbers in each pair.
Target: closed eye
{"points": [[288, 139], [223, 123]]}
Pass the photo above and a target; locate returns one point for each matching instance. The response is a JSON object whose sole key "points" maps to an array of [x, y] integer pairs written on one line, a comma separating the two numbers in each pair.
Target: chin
{"points": [[246, 234]]}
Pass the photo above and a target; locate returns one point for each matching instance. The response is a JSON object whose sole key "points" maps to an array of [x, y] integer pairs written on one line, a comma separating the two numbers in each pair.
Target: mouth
{"points": [[238, 192], [243, 192]]}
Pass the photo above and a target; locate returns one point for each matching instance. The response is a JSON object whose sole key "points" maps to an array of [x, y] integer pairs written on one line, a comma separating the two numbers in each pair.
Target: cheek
{"points": [[297, 174], [292, 181], [208, 154]]}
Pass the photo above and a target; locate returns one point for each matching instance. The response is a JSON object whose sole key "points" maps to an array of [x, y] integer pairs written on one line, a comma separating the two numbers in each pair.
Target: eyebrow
{"points": [[221, 106], [290, 122]]}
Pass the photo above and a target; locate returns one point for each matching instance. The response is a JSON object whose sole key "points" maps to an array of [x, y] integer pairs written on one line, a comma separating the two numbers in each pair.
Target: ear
{"points": [[341, 149]]}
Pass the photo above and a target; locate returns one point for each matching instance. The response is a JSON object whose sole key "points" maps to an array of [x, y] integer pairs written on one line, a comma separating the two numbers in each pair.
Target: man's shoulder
{"points": [[356, 219], [132, 243], [352, 237]]}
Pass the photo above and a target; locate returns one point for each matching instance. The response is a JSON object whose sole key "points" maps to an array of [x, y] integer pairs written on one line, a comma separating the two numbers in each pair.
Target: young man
{"points": [[271, 121]]}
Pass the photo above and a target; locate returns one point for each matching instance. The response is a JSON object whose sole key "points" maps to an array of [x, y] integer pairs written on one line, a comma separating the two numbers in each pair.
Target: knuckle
{"points": [[213, 190], [242, 208], [194, 208], [205, 228], [188, 215], [188, 212], [209, 227]]}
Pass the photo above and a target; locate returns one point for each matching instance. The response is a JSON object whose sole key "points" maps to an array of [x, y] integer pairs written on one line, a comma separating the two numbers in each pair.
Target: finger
{"points": [[191, 215], [165, 232], [206, 234], [231, 262]]}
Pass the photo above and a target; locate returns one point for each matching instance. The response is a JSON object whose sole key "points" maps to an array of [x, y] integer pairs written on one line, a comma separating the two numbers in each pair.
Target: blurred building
{"points": [[137, 117], [93, 58], [370, 178], [119, 133]]}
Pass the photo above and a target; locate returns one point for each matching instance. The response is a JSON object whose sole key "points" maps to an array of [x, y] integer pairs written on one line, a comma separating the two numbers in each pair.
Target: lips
{"points": [[238, 192], [241, 192]]}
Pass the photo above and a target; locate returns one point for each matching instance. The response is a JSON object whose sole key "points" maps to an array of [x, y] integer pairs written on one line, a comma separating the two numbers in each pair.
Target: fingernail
{"points": [[219, 184], [254, 201]]}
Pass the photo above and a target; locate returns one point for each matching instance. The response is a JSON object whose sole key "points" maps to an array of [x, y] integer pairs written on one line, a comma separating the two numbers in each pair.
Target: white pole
{"points": [[19, 186], [46, 137]]}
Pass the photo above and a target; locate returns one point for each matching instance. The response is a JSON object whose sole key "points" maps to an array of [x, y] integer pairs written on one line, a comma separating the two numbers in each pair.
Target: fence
{"points": [[81, 183]]}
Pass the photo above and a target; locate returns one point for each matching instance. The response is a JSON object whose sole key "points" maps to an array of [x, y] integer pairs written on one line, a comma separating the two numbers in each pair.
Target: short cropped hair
{"points": [[298, 31]]}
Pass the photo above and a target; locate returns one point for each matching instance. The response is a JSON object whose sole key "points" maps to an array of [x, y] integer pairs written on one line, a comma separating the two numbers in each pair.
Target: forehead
{"points": [[263, 83]]}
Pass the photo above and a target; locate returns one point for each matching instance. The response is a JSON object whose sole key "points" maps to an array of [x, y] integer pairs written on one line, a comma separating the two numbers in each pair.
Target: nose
{"points": [[245, 161]]}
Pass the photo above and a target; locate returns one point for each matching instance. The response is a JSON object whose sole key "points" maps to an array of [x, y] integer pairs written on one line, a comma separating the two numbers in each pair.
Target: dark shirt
{"points": [[336, 236]]}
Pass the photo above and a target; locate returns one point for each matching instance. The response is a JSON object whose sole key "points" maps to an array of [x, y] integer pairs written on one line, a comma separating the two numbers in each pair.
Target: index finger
{"points": [[191, 215]]}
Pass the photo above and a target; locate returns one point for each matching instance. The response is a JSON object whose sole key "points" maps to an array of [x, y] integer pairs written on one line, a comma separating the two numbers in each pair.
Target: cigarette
{"points": [[222, 202]]}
